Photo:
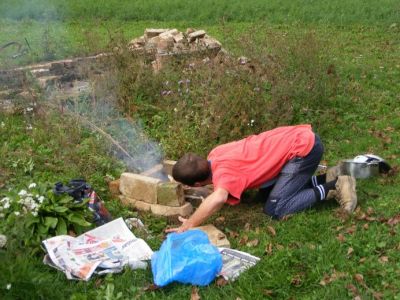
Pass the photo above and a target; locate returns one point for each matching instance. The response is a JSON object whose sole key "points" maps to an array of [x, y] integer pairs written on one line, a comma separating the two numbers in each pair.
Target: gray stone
{"points": [[137, 43], [170, 194], [216, 236], [168, 34], [139, 187], [132, 203], [167, 211], [195, 35], [179, 38], [165, 44], [152, 32]]}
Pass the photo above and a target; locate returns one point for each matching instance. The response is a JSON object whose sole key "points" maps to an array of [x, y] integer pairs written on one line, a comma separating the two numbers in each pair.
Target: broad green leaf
{"points": [[31, 220], [43, 229], [77, 219], [50, 222], [61, 227], [60, 209]]}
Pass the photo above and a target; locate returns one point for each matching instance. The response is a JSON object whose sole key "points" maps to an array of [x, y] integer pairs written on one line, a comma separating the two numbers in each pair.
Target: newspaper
{"points": [[235, 262], [105, 249]]}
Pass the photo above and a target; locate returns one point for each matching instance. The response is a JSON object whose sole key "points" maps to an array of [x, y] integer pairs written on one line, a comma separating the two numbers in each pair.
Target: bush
{"points": [[40, 214], [195, 104]]}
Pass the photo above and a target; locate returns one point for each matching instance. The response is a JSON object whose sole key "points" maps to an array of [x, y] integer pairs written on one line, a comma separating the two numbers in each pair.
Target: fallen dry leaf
{"points": [[370, 211], [268, 249], [352, 288], [394, 220], [365, 226], [350, 251], [339, 228], [268, 292], [221, 281], [233, 234], [296, 280], [98, 282], [271, 230], [244, 240], [362, 260], [357, 297], [312, 246], [359, 278], [383, 259], [257, 230], [351, 229], [377, 295], [340, 237], [341, 214], [247, 227], [279, 247], [361, 216], [252, 243], [390, 129], [150, 288], [195, 294], [329, 278], [220, 219], [370, 219]]}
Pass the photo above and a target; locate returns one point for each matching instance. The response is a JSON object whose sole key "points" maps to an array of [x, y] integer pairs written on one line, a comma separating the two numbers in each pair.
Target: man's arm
{"points": [[208, 207]]}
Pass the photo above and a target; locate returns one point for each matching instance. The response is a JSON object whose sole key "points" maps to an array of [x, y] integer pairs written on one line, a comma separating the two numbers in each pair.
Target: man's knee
{"points": [[270, 207]]}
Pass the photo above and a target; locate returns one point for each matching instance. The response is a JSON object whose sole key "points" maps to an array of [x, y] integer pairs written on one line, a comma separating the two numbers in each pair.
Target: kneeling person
{"points": [[284, 158]]}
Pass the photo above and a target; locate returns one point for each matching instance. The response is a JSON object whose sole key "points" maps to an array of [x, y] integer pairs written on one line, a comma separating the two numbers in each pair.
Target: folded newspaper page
{"points": [[235, 262], [105, 249]]}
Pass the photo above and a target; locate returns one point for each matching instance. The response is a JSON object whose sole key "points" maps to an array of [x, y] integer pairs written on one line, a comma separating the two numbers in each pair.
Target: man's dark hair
{"points": [[190, 169]]}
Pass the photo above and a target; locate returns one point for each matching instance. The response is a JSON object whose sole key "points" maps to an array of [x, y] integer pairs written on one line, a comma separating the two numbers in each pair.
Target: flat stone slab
{"points": [[160, 210], [152, 32], [216, 236], [132, 203], [139, 187], [167, 211]]}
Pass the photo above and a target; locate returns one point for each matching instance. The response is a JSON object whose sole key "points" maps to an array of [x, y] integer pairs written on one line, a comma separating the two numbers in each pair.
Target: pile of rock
{"points": [[147, 192], [151, 194], [172, 41]]}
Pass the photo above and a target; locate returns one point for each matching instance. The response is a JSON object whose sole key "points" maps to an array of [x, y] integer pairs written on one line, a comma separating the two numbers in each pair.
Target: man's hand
{"points": [[181, 228], [209, 206]]}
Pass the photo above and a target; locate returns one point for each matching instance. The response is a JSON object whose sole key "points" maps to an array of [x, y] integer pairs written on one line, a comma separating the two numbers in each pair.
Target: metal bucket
{"points": [[359, 169]]}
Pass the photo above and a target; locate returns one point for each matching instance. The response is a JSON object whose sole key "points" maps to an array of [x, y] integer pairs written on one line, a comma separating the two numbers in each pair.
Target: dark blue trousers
{"points": [[292, 191]]}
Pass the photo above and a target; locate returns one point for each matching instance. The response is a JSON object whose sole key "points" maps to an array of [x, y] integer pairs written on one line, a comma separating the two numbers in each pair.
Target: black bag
{"points": [[79, 189]]}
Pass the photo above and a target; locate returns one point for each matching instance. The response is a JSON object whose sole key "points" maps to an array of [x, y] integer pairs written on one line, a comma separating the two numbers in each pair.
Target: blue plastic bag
{"points": [[186, 257]]}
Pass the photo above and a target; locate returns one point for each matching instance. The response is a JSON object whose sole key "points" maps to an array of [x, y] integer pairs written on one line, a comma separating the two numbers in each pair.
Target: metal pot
{"points": [[359, 169]]}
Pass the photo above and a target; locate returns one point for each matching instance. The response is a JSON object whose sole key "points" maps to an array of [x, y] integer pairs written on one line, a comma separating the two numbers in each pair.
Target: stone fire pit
{"points": [[162, 198]]}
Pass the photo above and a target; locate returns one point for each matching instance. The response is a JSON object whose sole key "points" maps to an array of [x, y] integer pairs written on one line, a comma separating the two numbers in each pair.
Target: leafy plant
{"points": [[43, 213]]}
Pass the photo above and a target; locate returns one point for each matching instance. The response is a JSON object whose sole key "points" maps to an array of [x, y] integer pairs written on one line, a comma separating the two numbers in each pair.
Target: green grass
{"points": [[208, 11], [362, 116]]}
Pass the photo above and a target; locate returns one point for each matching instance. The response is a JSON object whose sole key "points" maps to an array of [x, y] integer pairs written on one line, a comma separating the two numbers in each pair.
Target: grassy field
{"points": [[318, 254], [208, 11]]}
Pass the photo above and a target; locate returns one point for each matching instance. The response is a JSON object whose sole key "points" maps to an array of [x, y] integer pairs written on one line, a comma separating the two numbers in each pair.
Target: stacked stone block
{"points": [[151, 194]]}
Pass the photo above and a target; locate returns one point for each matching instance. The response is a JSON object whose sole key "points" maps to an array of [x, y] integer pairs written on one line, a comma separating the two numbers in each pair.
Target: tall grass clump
{"points": [[194, 103]]}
